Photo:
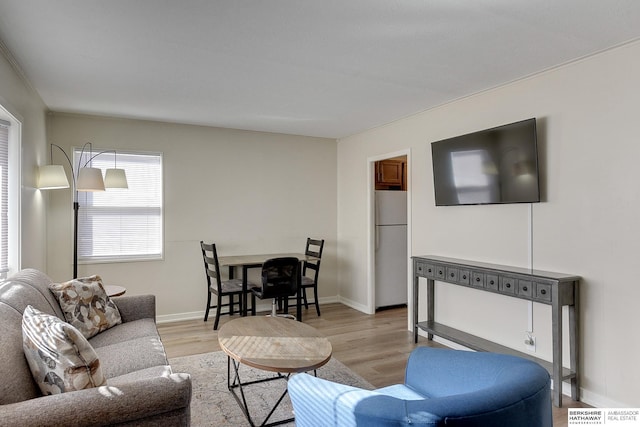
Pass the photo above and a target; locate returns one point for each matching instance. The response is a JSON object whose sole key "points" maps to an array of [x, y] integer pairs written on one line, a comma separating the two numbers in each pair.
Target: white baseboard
{"points": [[177, 317], [353, 304], [329, 300], [260, 306], [598, 401]]}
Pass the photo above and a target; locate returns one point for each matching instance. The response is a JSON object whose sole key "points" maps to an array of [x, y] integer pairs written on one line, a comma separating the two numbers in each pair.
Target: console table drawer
{"points": [[452, 274], [507, 285], [543, 291], [421, 269], [430, 271], [477, 279], [491, 282], [440, 272], [525, 288], [464, 278]]}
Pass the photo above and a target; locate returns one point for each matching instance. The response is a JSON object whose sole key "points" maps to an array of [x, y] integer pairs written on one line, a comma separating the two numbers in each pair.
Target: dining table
{"points": [[247, 262]]}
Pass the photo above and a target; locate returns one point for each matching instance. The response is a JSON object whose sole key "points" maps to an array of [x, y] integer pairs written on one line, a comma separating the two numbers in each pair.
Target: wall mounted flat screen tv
{"points": [[497, 165]]}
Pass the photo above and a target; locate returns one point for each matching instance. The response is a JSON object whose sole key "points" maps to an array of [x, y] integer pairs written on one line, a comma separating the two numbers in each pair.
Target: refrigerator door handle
{"points": [[375, 221]]}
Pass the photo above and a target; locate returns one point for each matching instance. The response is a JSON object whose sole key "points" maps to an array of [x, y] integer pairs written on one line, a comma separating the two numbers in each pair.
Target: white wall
{"points": [[25, 105], [249, 192], [587, 224]]}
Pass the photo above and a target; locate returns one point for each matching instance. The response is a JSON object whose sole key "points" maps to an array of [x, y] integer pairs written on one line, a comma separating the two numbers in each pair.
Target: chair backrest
{"points": [[211, 267], [314, 248], [280, 277], [442, 387], [477, 388]]}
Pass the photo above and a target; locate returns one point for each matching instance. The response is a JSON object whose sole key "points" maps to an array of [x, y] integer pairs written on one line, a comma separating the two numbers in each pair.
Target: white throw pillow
{"points": [[59, 356]]}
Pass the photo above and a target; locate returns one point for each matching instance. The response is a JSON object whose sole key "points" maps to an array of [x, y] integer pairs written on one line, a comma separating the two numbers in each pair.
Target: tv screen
{"points": [[498, 165]]}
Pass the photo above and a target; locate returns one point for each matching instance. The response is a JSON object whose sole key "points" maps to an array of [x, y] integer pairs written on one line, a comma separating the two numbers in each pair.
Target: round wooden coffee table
{"points": [[271, 344]]}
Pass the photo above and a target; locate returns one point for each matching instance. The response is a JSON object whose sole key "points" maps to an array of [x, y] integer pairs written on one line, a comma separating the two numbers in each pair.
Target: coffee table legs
{"points": [[236, 383]]}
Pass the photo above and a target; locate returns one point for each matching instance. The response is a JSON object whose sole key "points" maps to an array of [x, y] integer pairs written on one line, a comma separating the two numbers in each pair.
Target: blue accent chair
{"points": [[442, 388]]}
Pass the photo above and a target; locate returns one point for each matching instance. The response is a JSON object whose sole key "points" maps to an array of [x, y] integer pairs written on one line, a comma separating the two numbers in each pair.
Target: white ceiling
{"points": [[327, 68]]}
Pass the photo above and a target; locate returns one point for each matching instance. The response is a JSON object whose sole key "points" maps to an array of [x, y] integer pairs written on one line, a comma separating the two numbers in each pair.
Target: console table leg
{"points": [[574, 337], [416, 284], [431, 304], [556, 328]]}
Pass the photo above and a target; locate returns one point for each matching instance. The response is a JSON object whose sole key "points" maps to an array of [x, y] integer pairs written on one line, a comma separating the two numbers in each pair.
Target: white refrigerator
{"points": [[391, 248]]}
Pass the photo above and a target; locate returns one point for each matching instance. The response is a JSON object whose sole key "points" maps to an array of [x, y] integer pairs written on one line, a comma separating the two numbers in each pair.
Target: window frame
{"points": [[84, 196], [14, 186]]}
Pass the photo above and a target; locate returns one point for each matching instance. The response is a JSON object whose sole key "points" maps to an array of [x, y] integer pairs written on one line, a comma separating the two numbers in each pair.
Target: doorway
{"points": [[390, 231]]}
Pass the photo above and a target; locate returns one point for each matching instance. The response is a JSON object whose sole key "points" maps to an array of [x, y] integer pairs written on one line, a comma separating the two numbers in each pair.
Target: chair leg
{"points": [[206, 312], [231, 302], [315, 298], [240, 311], [274, 309], [218, 308], [304, 296], [253, 304]]}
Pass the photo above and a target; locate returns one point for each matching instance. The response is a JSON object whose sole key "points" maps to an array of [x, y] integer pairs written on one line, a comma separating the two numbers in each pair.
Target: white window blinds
{"points": [[4, 198], [122, 224]]}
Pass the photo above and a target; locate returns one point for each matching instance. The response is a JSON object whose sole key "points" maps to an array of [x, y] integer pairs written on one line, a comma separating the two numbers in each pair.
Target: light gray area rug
{"points": [[212, 404]]}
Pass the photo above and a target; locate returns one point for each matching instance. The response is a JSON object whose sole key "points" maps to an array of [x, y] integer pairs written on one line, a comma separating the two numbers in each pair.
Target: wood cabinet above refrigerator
{"points": [[391, 174]]}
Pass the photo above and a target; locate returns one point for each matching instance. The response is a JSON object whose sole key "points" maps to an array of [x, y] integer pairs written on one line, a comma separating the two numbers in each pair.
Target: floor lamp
{"points": [[84, 178]]}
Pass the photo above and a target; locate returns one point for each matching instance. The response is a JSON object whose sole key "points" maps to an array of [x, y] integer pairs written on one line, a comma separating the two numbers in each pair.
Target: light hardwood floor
{"points": [[375, 346]]}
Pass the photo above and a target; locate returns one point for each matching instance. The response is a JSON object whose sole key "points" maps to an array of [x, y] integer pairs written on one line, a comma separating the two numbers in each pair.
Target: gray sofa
{"points": [[141, 389]]}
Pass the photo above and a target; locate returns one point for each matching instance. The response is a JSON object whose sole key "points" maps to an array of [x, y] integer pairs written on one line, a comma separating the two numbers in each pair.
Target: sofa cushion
{"points": [[142, 374], [132, 355], [60, 357], [126, 331], [86, 306]]}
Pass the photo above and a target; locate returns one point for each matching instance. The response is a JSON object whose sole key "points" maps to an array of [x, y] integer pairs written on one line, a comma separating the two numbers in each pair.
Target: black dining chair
{"points": [[279, 280], [314, 248], [222, 288]]}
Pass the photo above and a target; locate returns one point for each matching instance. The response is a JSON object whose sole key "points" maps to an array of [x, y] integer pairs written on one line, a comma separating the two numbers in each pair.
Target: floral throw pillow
{"points": [[86, 306], [59, 356]]}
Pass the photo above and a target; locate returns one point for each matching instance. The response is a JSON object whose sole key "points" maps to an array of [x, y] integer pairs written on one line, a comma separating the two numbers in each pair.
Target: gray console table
{"points": [[543, 287]]}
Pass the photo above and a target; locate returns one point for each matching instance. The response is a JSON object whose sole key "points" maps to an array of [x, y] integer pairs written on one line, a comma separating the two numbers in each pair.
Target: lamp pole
{"points": [[76, 208]]}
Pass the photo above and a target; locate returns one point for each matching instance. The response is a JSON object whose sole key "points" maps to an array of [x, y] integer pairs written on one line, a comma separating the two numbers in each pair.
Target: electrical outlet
{"points": [[530, 342]]}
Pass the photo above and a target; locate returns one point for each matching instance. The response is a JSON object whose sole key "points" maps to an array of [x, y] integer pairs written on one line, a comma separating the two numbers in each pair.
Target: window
{"points": [[4, 198], [9, 193], [122, 224]]}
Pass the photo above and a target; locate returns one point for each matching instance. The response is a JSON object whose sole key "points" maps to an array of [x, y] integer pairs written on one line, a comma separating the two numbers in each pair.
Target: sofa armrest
{"points": [[320, 403], [136, 307], [129, 403]]}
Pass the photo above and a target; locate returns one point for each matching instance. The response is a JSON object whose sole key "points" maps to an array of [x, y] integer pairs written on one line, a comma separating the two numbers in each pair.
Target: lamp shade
{"points": [[90, 179], [51, 177], [115, 178]]}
